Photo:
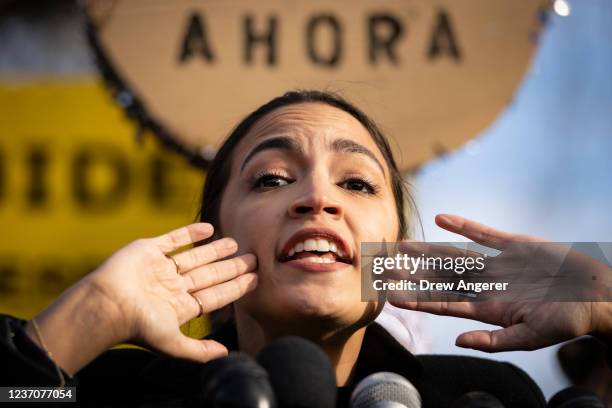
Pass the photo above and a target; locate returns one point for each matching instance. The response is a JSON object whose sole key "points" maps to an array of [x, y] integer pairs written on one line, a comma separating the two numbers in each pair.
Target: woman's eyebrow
{"points": [[350, 146], [279, 142]]}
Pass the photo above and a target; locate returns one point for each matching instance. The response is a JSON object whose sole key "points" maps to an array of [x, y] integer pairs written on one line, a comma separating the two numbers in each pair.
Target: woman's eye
{"points": [[361, 186], [271, 181]]}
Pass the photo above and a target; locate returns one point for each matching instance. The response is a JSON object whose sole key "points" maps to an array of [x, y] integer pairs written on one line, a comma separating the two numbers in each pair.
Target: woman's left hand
{"points": [[526, 324]]}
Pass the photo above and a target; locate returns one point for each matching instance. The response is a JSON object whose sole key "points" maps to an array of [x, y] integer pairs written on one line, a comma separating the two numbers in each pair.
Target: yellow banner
{"points": [[75, 185]]}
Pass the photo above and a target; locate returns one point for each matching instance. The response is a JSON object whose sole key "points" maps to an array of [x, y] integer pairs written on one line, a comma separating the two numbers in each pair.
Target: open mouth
{"points": [[321, 248]]}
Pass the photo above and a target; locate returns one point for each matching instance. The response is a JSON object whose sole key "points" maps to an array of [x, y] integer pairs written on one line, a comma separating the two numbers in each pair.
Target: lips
{"points": [[317, 246]]}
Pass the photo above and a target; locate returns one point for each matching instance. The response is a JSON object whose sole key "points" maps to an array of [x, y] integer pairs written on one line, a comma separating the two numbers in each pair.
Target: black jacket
{"points": [[138, 378]]}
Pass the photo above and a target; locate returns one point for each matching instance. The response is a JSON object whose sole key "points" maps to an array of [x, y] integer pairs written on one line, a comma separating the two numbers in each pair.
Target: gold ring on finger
{"points": [[176, 264], [199, 304]]}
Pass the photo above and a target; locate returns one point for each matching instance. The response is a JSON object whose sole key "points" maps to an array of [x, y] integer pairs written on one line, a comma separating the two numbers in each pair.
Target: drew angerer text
{"points": [[424, 284]]}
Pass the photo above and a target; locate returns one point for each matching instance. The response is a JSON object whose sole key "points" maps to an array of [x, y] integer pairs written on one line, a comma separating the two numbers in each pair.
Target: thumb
{"points": [[189, 348], [516, 337]]}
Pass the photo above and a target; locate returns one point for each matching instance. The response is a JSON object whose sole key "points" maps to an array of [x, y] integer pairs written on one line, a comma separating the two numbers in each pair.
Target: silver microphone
{"points": [[385, 390]]}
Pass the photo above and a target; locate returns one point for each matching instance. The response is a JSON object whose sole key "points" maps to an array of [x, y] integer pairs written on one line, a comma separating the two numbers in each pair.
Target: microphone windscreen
{"points": [[300, 373], [385, 390], [575, 397], [477, 399], [235, 381]]}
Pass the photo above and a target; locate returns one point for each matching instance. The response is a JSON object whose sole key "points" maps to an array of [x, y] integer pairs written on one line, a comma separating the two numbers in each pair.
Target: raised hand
{"points": [[528, 320], [145, 291]]}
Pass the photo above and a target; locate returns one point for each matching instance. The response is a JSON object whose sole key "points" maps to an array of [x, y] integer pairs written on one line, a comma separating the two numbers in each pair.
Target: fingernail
{"points": [[448, 220], [463, 341]]}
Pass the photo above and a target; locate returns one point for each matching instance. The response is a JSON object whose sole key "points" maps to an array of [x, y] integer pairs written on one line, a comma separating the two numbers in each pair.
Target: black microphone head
{"points": [[236, 381], [575, 397], [300, 373], [477, 399], [385, 389]]}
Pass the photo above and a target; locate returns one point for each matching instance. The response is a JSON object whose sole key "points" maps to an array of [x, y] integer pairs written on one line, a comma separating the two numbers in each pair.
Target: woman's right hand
{"points": [[138, 295]]}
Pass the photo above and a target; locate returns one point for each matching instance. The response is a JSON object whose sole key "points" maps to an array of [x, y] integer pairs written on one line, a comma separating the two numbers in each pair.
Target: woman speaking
{"points": [[296, 188]]}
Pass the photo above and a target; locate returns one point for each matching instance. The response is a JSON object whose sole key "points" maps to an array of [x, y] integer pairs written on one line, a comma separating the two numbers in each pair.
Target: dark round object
{"points": [[575, 397], [300, 373], [236, 381]]}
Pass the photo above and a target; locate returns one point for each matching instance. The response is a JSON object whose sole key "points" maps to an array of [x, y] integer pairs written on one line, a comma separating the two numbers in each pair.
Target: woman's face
{"points": [[307, 185]]}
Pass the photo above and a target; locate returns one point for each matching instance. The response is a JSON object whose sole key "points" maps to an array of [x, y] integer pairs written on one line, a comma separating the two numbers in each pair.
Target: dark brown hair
{"points": [[219, 170]]}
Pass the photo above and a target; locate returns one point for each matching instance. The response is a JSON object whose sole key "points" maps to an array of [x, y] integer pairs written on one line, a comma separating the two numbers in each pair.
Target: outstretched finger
{"points": [[515, 337], [183, 236], [205, 254], [475, 231], [217, 296], [416, 248], [219, 272], [442, 308]]}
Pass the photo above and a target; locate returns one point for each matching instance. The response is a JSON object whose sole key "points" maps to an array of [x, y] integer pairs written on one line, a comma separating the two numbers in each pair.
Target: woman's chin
{"points": [[308, 304], [314, 306]]}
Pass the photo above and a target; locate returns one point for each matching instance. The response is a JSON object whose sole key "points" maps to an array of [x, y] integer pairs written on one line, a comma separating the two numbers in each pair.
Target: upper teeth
{"points": [[319, 245]]}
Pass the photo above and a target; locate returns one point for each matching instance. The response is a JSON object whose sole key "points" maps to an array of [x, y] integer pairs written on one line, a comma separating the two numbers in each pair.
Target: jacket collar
{"points": [[166, 377], [379, 352]]}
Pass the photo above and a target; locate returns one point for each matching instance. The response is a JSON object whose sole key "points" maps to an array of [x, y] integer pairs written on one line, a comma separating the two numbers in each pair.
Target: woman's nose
{"points": [[315, 202]]}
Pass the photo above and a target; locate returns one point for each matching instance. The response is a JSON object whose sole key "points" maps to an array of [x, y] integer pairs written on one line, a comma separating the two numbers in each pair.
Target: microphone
{"points": [[300, 373], [575, 397], [385, 390], [235, 381], [477, 399]]}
